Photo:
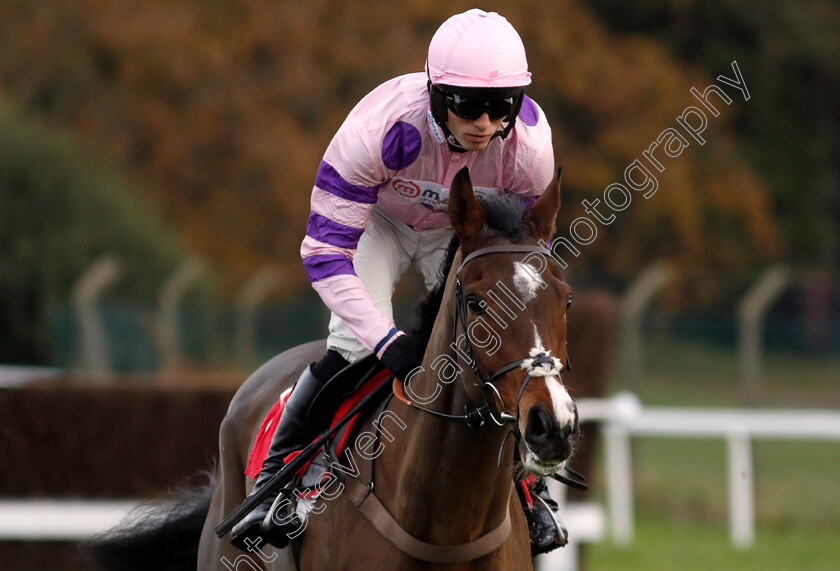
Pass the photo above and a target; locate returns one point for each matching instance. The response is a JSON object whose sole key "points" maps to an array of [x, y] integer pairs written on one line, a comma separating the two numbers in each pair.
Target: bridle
{"points": [[537, 364]]}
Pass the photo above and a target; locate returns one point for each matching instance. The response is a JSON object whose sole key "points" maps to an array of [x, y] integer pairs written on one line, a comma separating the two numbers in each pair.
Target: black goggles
{"points": [[474, 107]]}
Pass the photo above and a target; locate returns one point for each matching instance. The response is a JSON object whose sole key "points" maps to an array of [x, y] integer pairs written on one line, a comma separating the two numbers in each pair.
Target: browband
{"points": [[502, 249]]}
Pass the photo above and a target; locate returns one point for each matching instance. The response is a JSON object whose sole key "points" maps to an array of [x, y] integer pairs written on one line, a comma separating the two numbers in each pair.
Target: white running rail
{"points": [[623, 416], [59, 520]]}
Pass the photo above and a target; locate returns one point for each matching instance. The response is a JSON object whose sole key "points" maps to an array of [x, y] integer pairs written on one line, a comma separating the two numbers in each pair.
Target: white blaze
{"points": [[564, 408], [527, 280]]}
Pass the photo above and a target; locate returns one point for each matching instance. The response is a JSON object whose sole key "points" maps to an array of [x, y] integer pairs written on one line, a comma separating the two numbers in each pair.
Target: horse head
{"points": [[512, 304]]}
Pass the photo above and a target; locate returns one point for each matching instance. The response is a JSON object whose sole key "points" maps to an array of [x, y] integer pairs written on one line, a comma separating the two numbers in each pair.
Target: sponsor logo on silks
{"points": [[406, 188], [431, 194]]}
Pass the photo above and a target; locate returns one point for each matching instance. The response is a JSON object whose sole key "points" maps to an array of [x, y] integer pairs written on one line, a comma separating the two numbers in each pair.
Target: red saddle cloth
{"points": [[269, 425]]}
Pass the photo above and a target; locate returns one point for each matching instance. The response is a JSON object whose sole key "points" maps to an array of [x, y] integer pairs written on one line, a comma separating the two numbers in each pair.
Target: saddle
{"points": [[338, 390], [335, 399]]}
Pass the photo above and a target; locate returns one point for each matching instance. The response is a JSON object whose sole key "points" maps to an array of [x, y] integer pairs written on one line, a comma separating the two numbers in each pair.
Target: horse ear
{"points": [[544, 212], [465, 213]]}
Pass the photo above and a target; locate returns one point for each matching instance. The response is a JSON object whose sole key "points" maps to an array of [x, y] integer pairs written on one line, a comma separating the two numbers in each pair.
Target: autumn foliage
{"points": [[221, 111]]}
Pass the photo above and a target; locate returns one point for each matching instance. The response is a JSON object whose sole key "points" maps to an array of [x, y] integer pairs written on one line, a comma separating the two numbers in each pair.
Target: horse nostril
{"points": [[546, 437], [539, 423]]}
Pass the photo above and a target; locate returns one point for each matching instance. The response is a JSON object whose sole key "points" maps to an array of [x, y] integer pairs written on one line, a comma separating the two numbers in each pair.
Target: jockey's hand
{"points": [[402, 356]]}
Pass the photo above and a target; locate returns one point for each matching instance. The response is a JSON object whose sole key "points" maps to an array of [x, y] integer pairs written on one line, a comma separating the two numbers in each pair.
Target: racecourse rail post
{"points": [[168, 323], [93, 283], [751, 311], [249, 298], [741, 489], [634, 304], [625, 408]]}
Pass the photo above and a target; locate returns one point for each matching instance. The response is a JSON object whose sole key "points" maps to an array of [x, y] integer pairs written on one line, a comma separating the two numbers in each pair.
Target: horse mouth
{"points": [[536, 466]]}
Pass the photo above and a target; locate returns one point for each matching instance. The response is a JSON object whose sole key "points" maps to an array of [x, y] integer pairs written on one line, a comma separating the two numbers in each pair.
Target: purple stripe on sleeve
{"points": [[327, 265], [329, 180], [331, 232]]}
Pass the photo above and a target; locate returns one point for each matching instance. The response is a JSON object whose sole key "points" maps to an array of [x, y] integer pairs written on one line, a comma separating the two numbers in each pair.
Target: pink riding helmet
{"points": [[477, 49]]}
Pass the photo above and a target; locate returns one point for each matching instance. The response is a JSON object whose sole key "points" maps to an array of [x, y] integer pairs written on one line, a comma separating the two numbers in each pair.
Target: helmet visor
{"points": [[474, 107]]}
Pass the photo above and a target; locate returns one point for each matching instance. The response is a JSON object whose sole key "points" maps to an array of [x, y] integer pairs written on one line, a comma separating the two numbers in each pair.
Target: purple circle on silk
{"points": [[529, 112], [401, 146]]}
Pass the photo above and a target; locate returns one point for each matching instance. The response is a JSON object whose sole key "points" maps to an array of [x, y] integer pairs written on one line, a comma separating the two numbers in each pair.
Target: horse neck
{"points": [[448, 470]]}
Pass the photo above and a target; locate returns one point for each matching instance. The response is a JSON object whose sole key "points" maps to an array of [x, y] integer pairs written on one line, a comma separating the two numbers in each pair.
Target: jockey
{"points": [[380, 203]]}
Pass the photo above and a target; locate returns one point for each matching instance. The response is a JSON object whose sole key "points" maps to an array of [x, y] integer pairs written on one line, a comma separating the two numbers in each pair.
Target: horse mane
{"points": [[505, 215]]}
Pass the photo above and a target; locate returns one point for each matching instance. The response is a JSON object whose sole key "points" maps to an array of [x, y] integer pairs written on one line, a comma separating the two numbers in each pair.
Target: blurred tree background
{"points": [[208, 119], [61, 208]]}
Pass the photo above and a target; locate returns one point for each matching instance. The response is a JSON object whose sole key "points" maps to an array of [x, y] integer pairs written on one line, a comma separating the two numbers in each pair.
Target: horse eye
{"points": [[569, 301], [475, 305]]}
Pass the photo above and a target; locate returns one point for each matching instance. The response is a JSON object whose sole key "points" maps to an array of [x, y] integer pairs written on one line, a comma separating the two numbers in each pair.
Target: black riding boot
{"points": [[291, 435], [546, 530]]}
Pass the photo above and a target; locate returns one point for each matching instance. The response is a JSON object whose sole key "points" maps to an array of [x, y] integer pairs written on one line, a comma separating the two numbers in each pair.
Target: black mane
{"points": [[505, 217]]}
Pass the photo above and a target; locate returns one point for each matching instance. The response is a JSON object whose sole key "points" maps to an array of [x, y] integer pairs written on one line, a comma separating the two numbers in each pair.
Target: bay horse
{"points": [[495, 355]]}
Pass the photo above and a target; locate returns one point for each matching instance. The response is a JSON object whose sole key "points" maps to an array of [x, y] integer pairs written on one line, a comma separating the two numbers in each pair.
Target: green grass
{"points": [[665, 546], [680, 484], [797, 484], [697, 374]]}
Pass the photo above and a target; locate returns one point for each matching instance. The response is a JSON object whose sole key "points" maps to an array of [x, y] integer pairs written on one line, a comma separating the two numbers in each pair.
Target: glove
{"points": [[402, 356]]}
